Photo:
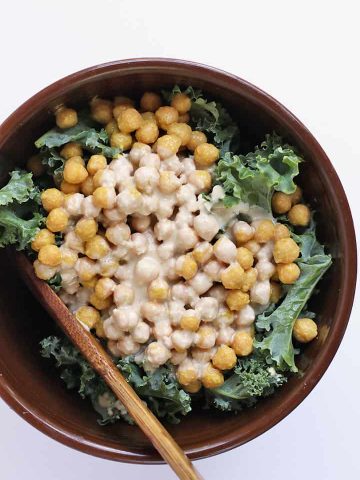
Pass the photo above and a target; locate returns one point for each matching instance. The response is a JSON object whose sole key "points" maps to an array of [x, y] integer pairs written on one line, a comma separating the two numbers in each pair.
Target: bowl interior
{"points": [[31, 384]]}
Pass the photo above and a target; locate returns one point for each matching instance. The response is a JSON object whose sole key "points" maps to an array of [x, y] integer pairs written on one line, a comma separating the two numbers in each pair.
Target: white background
{"points": [[305, 54]]}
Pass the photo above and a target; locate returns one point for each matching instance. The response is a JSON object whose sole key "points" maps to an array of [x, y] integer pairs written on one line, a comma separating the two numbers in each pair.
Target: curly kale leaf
{"points": [[160, 390], [254, 177], [253, 377], [277, 343], [20, 212]]}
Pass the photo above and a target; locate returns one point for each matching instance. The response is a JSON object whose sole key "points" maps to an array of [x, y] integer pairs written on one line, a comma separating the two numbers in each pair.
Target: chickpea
{"points": [[190, 321], [296, 196], [87, 186], [146, 179], [168, 182], [264, 231], [201, 283], [44, 272], [157, 354], [101, 111], [288, 273], [121, 100], [253, 246], [138, 151], [68, 257], [181, 102], [242, 343], [197, 138], [275, 292], [118, 233], [165, 116], [149, 116], [57, 220], [147, 269], [206, 226], [203, 252], [86, 269], [305, 330], [158, 290], [237, 299], [148, 132], [201, 179], [129, 120], [260, 292], [186, 267], [70, 150], [167, 146], [121, 140], [299, 215], [111, 127], [245, 317], [67, 187], [225, 250], [74, 172], [205, 337], [150, 101], [281, 231], [181, 130], [232, 277], [42, 238], [212, 377], [123, 295], [104, 197], [141, 332], [86, 229], [96, 163], [244, 257], [99, 329], [52, 198], [76, 159], [285, 250], [243, 232], [100, 303], [224, 358], [66, 117], [186, 376], [88, 315], [50, 255], [118, 109], [281, 202], [248, 279], [35, 166], [206, 155], [140, 223], [97, 247], [104, 178], [214, 269], [265, 269], [193, 387], [104, 287]]}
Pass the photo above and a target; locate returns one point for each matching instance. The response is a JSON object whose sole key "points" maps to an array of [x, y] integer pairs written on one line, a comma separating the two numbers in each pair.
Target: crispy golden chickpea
{"points": [[76, 159], [212, 377], [168, 182], [119, 109], [253, 246], [96, 163], [35, 166], [232, 276], [121, 140], [71, 149], [50, 255], [299, 215], [285, 250], [281, 231], [186, 376], [242, 343], [165, 116], [88, 315], [68, 257], [52, 198], [193, 387], [87, 186], [202, 252], [305, 330], [86, 229], [275, 292], [264, 231], [201, 179], [244, 257], [74, 172], [197, 138], [122, 100], [129, 120], [182, 130], [111, 127], [149, 116], [42, 238], [44, 272], [224, 358], [100, 332], [184, 118], [148, 132], [181, 102], [101, 111], [100, 303], [186, 266], [206, 155], [288, 273], [150, 101], [104, 287], [97, 247], [104, 197], [243, 232], [66, 117], [249, 279], [167, 146], [190, 322], [57, 220], [281, 202], [158, 290], [296, 196], [67, 187], [236, 300]]}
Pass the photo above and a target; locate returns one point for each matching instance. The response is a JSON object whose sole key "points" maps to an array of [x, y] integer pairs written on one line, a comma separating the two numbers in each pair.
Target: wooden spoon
{"points": [[100, 360]]}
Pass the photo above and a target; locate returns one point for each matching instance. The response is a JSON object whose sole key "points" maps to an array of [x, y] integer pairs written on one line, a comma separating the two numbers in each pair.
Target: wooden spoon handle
{"points": [[100, 360]]}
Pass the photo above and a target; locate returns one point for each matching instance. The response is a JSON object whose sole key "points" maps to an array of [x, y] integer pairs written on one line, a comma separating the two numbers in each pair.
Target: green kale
{"points": [[20, 211], [279, 324], [254, 177], [160, 390], [55, 282], [252, 378]]}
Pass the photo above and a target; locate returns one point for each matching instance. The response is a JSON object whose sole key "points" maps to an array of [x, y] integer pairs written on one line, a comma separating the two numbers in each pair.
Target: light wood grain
{"points": [[100, 360]]}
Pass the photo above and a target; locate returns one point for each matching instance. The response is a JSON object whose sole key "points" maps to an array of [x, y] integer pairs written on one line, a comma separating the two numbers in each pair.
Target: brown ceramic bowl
{"points": [[31, 385]]}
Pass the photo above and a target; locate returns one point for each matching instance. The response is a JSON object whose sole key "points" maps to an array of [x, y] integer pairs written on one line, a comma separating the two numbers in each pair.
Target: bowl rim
{"points": [[30, 413]]}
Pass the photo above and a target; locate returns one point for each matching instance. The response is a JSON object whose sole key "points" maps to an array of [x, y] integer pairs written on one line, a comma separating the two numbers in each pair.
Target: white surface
{"points": [[302, 53]]}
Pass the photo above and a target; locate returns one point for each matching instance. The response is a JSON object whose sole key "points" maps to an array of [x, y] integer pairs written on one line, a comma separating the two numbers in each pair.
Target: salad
{"points": [[190, 259]]}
